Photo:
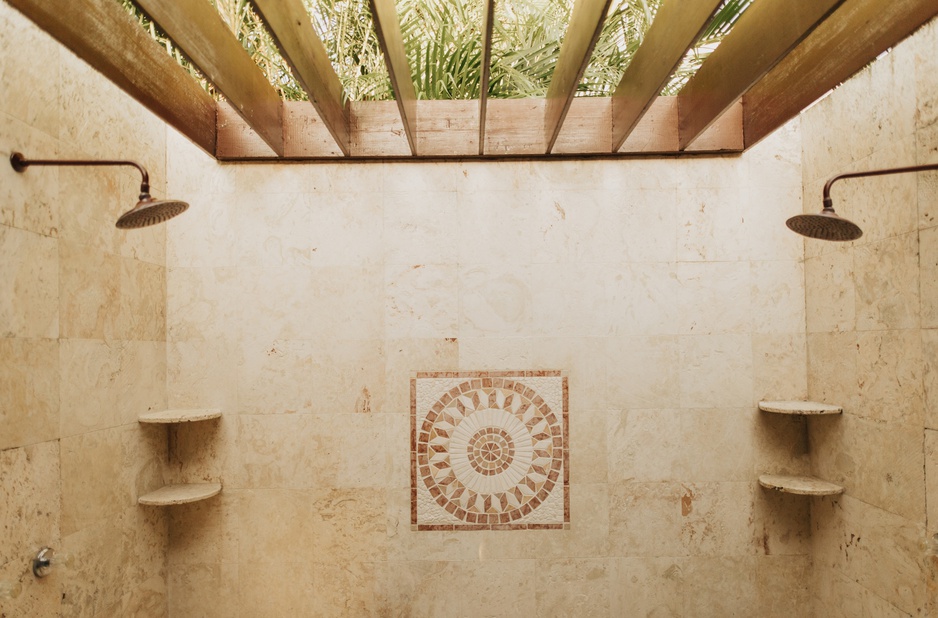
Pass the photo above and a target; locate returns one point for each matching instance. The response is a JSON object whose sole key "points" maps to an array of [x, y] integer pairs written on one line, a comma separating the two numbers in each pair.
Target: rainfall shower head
{"points": [[828, 225], [148, 211]]}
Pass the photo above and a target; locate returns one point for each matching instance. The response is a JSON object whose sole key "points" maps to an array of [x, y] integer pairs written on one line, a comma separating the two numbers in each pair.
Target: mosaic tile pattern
{"points": [[489, 451]]}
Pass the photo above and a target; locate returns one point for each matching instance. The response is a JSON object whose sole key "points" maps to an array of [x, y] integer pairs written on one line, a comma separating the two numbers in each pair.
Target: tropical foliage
{"points": [[443, 40]]}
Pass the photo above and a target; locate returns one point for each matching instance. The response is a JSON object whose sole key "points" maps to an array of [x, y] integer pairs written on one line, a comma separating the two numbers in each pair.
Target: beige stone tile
{"points": [[589, 446], [879, 550], [141, 383], [351, 450], [495, 300], [201, 303], [567, 226], [209, 590], [146, 244], [780, 443], [650, 299], [405, 357], [783, 585], [274, 377], [889, 367], [570, 300], [928, 263], [145, 455], [590, 532], [830, 291], [205, 532], [779, 364], [28, 201], [874, 461], [715, 298], [713, 445], [202, 374], [883, 206], [640, 226], [341, 302], [407, 545], [642, 372], [205, 238], [26, 595], [403, 177], [931, 482], [142, 301], [488, 233], [89, 292], [29, 391], [144, 535], [94, 583], [205, 452], [642, 445], [581, 361], [776, 160], [768, 238], [832, 369], [149, 598], [491, 588], [271, 229], [90, 373], [34, 99], [574, 587], [887, 292], [494, 353], [704, 215], [720, 586], [930, 376], [93, 489], [30, 489], [348, 376], [335, 525], [271, 593], [276, 452], [341, 216], [647, 587], [715, 371], [715, 518], [927, 191], [396, 449], [839, 596], [777, 297], [645, 520], [922, 46], [418, 227], [348, 588], [29, 270], [781, 527], [421, 301]]}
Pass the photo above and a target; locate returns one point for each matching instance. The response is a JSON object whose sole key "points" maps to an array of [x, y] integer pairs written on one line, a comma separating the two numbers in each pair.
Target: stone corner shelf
{"points": [[180, 416], [801, 485], [180, 494], [806, 408]]}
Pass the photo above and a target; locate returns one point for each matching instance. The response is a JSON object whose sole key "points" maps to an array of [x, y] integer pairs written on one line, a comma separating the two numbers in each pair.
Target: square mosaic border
{"points": [[509, 465]]}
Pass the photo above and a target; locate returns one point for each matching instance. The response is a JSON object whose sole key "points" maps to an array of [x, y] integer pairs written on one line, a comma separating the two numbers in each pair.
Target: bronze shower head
{"points": [[828, 225], [148, 211]]}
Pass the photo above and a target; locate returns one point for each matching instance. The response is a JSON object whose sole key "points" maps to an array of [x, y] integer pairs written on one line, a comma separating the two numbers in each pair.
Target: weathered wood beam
{"points": [[765, 32], [104, 35], [388, 29], [676, 27], [198, 30], [586, 23], [301, 47], [843, 44], [487, 22]]}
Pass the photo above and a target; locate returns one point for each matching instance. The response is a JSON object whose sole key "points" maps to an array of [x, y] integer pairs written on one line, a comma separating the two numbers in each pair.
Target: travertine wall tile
{"points": [[89, 296], [29, 391], [29, 270], [716, 371], [644, 445], [28, 202], [778, 367], [92, 469]]}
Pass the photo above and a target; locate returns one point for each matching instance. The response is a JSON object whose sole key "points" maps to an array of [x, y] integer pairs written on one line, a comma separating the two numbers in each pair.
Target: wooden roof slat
{"points": [[198, 30], [843, 44], [104, 35], [676, 27], [765, 32], [301, 47], [586, 23], [388, 29], [488, 21]]}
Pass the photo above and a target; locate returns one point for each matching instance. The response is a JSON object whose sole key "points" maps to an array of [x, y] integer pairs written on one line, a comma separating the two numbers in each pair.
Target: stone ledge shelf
{"points": [[801, 485], [180, 416], [180, 494], [804, 408]]}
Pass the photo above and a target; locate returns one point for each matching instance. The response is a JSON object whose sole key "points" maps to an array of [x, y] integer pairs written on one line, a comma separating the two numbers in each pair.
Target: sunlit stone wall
{"points": [[872, 311], [304, 297], [82, 340]]}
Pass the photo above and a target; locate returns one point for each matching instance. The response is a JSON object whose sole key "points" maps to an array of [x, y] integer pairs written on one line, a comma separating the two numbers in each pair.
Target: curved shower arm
{"points": [[829, 203], [20, 163]]}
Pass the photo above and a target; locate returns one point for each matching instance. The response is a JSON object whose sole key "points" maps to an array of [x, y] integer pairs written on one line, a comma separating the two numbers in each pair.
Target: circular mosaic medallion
{"points": [[490, 451]]}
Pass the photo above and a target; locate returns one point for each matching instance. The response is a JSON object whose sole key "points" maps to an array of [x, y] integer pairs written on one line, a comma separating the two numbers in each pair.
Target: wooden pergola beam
{"points": [[301, 47], [676, 27], [488, 21], [198, 30], [586, 23], [765, 32], [101, 33], [388, 29], [847, 41]]}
